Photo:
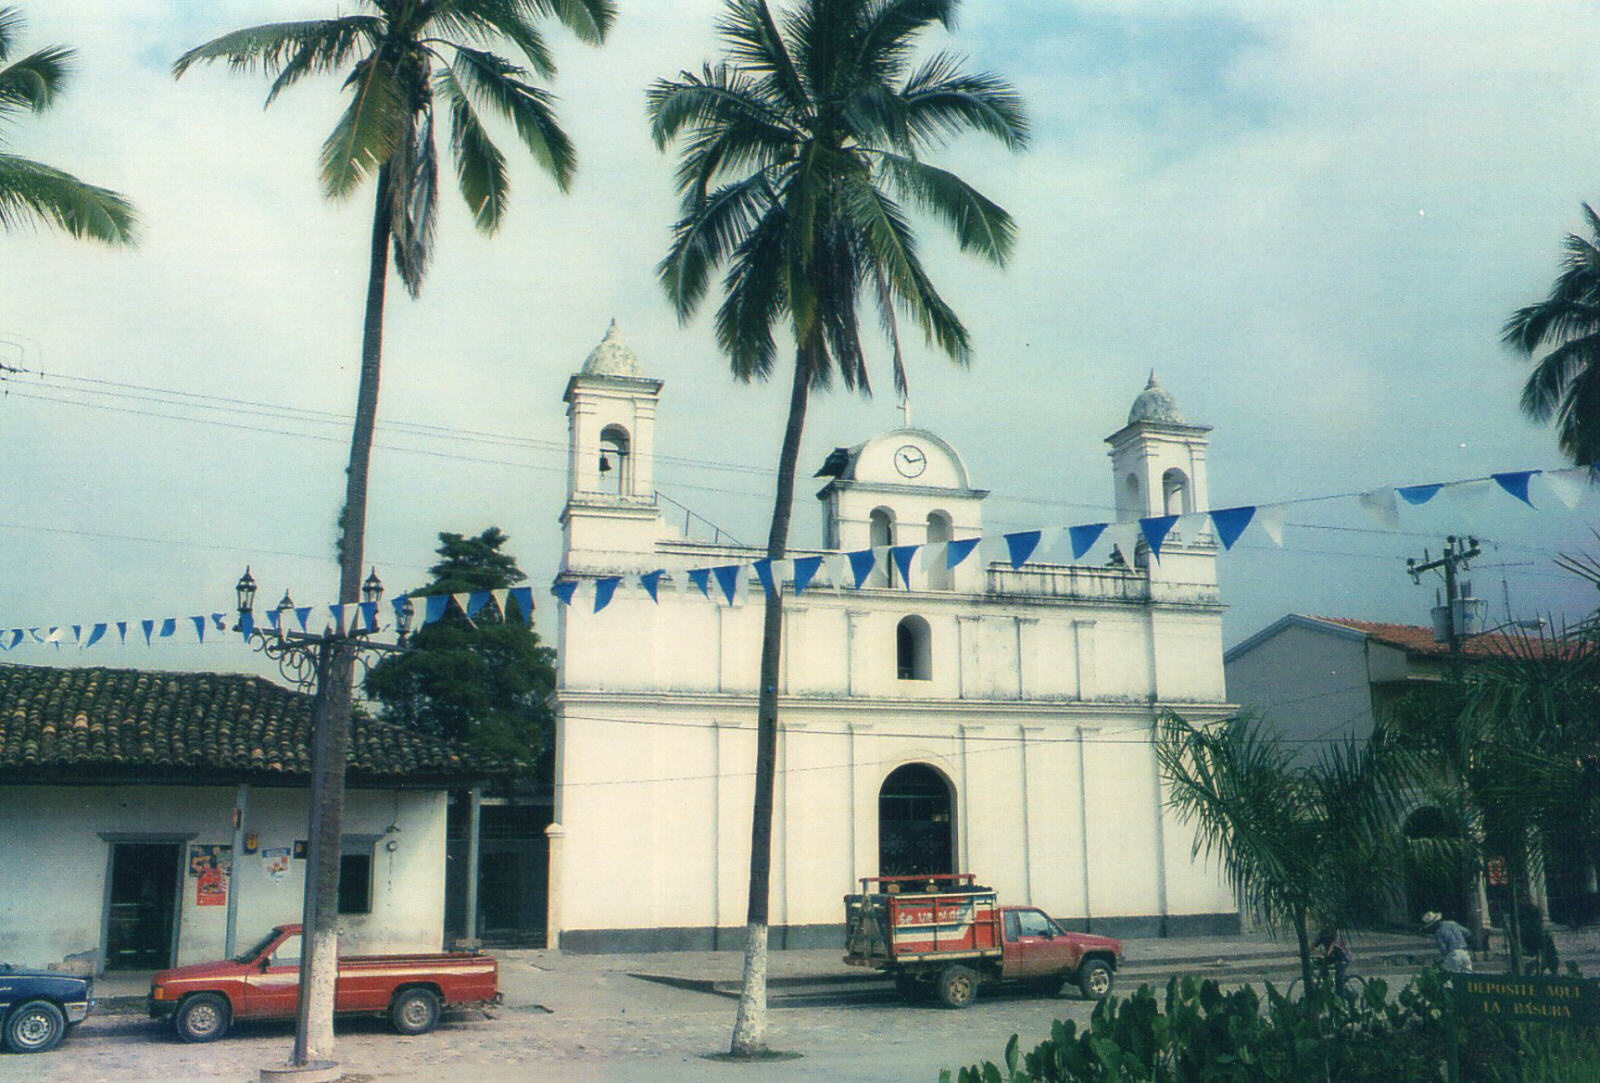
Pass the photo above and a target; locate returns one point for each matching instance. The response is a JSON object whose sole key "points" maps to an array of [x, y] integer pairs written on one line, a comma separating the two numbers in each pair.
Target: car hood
{"points": [[196, 970], [1090, 941]]}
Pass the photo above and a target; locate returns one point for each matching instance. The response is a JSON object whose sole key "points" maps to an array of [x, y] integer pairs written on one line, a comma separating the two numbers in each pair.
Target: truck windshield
{"points": [[259, 947]]}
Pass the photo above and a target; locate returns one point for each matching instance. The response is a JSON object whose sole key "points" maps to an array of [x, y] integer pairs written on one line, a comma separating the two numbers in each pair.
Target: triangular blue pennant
{"points": [[1021, 545], [435, 609], [523, 598], [1155, 530], [199, 628], [122, 632], [1419, 494], [476, 601], [727, 579], [1230, 523], [273, 619], [763, 569], [563, 590], [4, 646], [369, 615], [218, 623], [399, 603], [77, 633], [16, 636], [247, 624], [96, 634], [604, 588], [960, 550], [1515, 482], [337, 613], [168, 626], [302, 615], [805, 570], [651, 582], [861, 562], [148, 626], [701, 578], [902, 554], [1083, 538]]}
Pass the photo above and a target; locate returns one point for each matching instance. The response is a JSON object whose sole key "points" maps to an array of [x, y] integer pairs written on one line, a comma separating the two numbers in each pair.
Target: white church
{"points": [[983, 718]]}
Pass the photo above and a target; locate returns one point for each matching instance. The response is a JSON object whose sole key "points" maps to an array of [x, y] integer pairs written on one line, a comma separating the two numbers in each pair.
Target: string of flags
{"points": [[729, 583], [358, 616]]}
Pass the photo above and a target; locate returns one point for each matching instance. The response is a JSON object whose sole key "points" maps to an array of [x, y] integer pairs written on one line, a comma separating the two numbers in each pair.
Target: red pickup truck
{"points": [[203, 1000], [945, 935]]}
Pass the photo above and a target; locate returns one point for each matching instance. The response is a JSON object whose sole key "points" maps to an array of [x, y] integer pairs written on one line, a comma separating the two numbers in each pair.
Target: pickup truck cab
{"points": [[203, 1000], [945, 936], [37, 1007]]}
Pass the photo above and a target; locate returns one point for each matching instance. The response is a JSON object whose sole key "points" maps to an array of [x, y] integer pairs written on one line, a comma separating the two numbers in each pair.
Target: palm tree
{"points": [[405, 60], [800, 152], [1299, 838], [32, 191], [1565, 382]]}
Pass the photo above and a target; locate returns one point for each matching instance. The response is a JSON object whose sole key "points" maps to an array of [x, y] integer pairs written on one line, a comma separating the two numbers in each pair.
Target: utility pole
{"points": [[1457, 551]]}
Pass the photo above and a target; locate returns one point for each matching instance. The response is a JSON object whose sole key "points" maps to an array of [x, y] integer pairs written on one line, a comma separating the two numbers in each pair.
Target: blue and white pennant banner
{"points": [[729, 583]]}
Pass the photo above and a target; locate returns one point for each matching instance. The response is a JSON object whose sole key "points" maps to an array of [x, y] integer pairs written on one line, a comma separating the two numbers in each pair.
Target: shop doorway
{"points": [[142, 923], [916, 829]]}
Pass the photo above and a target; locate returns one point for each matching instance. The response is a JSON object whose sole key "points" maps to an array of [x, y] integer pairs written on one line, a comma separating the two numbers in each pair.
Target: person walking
{"points": [[1451, 940]]}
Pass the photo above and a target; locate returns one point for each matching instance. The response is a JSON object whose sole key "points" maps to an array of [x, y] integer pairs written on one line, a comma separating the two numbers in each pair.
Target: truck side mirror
{"points": [[264, 962]]}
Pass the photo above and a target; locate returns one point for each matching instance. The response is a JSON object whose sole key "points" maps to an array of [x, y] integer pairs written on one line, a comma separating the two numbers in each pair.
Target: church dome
{"points": [[612, 357], [1155, 403]]}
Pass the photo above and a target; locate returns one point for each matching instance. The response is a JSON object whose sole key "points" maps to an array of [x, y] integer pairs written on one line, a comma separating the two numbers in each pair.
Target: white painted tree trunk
{"points": [[750, 1027]]}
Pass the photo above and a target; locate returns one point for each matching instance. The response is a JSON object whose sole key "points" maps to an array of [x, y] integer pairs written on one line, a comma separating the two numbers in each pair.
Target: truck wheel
{"points": [[1094, 979], [203, 1017], [957, 986], [415, 1010], [35, 1027]]}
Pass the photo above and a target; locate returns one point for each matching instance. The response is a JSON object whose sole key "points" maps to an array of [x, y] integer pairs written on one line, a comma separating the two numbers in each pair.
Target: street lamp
{"points": [[307, 660]]}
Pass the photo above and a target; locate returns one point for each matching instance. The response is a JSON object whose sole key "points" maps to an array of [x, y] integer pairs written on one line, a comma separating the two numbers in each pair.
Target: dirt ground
{"points": [[590, 1019]]}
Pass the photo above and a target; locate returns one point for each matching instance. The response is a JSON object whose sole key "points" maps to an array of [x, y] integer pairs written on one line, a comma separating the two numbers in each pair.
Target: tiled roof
{"points": [[102, 723], [1417, 640]]}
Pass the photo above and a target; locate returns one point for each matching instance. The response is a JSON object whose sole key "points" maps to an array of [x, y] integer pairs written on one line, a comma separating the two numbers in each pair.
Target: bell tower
{"points": [[611, 418], [1158, 467]]}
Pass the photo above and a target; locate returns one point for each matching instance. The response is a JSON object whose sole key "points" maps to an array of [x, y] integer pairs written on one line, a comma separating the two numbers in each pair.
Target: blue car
{"points": [[37, 1007]]}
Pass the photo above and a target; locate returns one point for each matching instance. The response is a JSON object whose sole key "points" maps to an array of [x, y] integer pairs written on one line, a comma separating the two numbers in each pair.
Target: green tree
{"points": [[1299, 838], [403, 60], [483, 682], [1565, 382], [800, 154], [32, 191]]}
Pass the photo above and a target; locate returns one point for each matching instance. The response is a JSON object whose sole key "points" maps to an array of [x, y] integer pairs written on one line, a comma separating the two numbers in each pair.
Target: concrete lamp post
{"points": [[305, 658]]}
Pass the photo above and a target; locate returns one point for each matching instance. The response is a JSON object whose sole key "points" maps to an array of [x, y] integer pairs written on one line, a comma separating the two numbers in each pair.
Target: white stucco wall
{"points": [[1308, 683], [54, 853]]}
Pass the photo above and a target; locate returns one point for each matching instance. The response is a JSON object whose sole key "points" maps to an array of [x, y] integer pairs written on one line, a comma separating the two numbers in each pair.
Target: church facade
{"points": [[983, 717]]}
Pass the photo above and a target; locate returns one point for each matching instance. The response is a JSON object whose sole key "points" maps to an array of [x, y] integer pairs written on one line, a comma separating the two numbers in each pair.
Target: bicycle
{"points": [[1355, 986]]}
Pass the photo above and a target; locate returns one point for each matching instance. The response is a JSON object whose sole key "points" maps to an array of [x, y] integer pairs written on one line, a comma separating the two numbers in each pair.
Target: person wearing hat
{"points": [[1452, 941]]}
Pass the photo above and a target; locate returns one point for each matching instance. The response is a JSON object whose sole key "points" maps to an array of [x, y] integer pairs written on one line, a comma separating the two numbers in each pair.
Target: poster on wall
{"points": [[275, 859], [212, 867]]}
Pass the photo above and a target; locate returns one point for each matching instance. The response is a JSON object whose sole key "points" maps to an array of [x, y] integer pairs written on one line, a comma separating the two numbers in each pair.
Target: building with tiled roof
{"points": [[101, 724], [139, 808]]}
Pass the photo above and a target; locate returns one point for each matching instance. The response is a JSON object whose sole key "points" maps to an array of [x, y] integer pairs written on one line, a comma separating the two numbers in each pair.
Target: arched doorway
{"points": [[916, 825]]}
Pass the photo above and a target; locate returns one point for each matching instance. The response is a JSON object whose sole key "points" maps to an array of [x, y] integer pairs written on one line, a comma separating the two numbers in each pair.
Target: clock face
{"points": [[910, 460]]}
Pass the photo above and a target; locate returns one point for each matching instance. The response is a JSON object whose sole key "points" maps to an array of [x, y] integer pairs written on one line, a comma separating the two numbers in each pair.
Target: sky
{"points": [[1309, 220]]}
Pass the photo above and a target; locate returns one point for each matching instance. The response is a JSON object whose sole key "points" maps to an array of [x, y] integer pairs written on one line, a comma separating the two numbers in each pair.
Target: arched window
{"points": [[916, 828], [1175, 498], [913, 650], [881, 533], [616, 462], [939, 530], [1135, 494]]}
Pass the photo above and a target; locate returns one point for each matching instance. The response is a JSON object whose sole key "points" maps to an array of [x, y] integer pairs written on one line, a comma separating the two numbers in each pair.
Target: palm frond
{"points": [[941, 102], [885, 31], [493, 82], [370, 130], [487, 22], [326, 43], [755, 296], [979, 224], [414, 201], [33, 192], [757, 45], [11, 24], [709, 235], [480, 166], [33, 82], [719, 99], [589, 20]]}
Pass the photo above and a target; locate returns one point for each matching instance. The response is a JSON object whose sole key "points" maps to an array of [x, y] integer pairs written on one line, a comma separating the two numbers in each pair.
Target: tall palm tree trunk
{"points": [[1302, 937], [319, 959], [750, 1025]]}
